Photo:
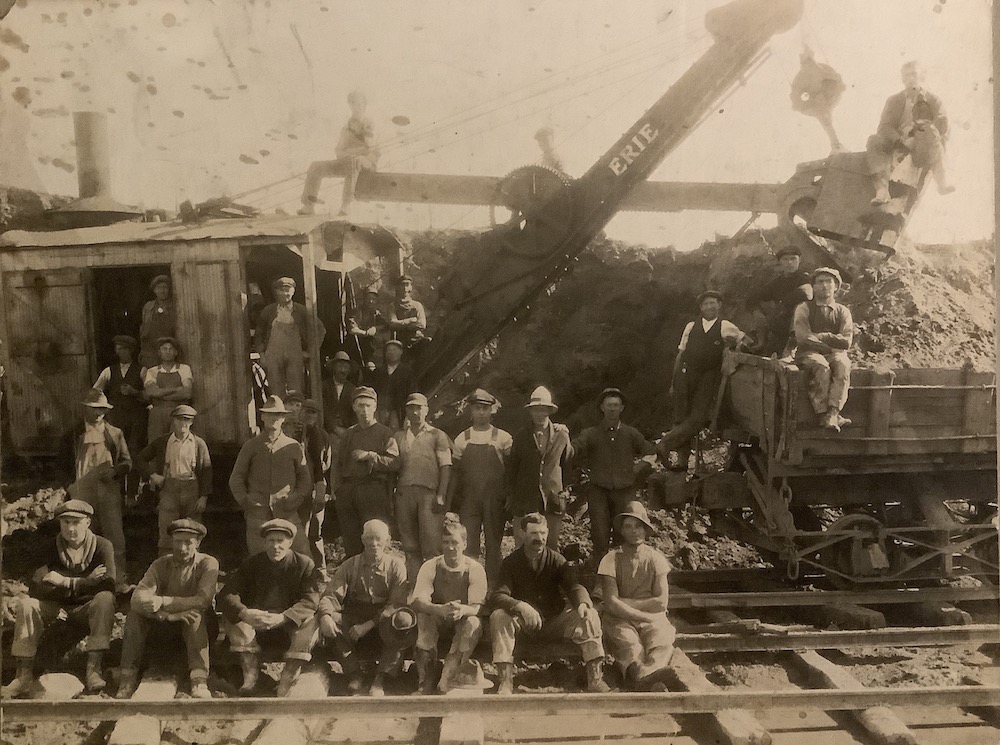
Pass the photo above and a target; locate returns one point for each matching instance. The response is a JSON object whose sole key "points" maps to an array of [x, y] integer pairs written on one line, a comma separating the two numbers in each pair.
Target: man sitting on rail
{"points": [[76, 582], [447, 595], [633, 581], [368, 593], [272, 597], [177, 589], [697, 374], [539, 594], [824, 330]]}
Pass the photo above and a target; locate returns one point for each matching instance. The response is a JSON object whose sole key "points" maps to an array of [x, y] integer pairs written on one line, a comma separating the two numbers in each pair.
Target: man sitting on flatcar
{"points": [[824, 330]]}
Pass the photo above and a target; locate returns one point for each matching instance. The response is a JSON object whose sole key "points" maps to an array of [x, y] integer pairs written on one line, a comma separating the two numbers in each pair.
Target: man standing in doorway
{"points": [[282, 339], [122, 383]]}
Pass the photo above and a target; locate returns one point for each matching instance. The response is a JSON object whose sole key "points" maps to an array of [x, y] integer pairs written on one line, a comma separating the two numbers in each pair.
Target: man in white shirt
{"points": [[697, 374]]}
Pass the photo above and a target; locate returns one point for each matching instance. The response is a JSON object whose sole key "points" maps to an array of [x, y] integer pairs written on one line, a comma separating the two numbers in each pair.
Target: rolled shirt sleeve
{"points": [[423, 587]]}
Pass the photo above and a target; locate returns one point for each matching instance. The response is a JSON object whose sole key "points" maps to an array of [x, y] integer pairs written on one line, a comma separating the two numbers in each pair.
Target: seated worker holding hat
{"points": [[611, 450], [478, 484], [697, 374], [633, 580], [824, 331], [271, 478], [301, 425], [176, 591], [368, 593], [76, 581], [272, 598], [178, 464], [535, 469], [422, 485], [393, 381], [408, 319], [338, 395], [447, 594], [166, 385], [363, 326], [363, 471], [100, 460], [122, 383], [539, 594], [282, 339], [159, 319], [775, 304]]}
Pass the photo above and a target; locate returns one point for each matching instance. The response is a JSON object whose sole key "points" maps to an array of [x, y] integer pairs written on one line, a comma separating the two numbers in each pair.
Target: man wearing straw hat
{"points": [[535, 468], [271, 479], [101, 460], [368, 593], [633, 581]]}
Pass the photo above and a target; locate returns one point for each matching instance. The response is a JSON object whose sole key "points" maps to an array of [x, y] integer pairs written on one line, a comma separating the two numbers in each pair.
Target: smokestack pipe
{"points": [[93, 158]]}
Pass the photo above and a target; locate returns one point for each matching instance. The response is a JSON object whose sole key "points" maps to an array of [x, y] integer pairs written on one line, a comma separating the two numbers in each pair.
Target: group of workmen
{"points": [[447, 502]]}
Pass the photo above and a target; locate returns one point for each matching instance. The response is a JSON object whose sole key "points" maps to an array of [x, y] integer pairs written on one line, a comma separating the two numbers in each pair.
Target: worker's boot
{"points": [[22, 684], [94, 681], [377, 688], [128, 681], [251, 669], [505, 685], [595, 677], [289, 674], [451, 665], [199, 688], [425, 671]]}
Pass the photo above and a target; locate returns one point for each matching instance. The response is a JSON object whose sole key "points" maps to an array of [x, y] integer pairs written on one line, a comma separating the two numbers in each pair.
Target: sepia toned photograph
{"points": [[463, 372]]}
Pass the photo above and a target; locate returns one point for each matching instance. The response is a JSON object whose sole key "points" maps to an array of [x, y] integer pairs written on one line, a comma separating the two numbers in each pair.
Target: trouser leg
{"points": [[302, 640], [471, 517], [30, 620], [295, 371], [98, 614], [350, 522], [255, 515], [106, 499], [196, 644], [840, 379], [599, 510], [878, 153], [468, 629], [137, 626], [430, 523], [818, 371], [503, 633], [585, 632], [429, 630], [242, 637], [657, 640], [408, 522], [623, 641], [493, 525], [355, 166], [168, 510], [318, 171]]}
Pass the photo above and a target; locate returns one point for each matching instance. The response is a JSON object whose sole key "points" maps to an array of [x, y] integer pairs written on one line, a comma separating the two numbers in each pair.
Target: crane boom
{"points": [[515, 262]]}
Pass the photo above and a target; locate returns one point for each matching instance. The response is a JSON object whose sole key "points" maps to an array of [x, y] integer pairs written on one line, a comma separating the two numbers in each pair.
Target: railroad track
{"points": [[819, 701]]}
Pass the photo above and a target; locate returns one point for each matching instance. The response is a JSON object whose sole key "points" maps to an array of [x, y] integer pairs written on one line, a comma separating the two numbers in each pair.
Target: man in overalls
{"points": [[479, 457], [282, 338], [167, 385], [122, 384]]}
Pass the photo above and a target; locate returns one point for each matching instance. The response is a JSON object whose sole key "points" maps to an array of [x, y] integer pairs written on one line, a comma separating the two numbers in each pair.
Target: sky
{"points": [[220, 97]]}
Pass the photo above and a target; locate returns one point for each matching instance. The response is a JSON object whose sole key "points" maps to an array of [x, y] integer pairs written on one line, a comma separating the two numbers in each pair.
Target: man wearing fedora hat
{"points": [[101, 459], [282, 339], [448, 592], [338, 395], [177, 589], [272, 598], [422, 484], [393, 380], [478, 483], [179, 465], [166, 385], [364, 468], [633, 581], [271, 478], [610, 450], [824, 331], [76, 581], [535, 469], [776, 301], [159, 319], [368, 593], [697, 374], [122, 383]]}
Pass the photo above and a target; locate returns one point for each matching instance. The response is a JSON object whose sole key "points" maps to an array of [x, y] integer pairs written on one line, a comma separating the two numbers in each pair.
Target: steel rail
{"points": [[679, 600], [529, 704]]}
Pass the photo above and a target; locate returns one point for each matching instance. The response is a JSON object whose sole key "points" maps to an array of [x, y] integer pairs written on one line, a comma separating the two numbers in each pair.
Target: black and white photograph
{"points": [[465, 372]]}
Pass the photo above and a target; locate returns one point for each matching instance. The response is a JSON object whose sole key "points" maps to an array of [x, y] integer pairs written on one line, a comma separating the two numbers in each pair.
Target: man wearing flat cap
{"points": [[697, 374], [422, 486], [535, 469], [408, 319], [176, 591], [368, 594], [478, 482], [282, 339], [271, 478], [363, 326], [159, 319], [824, 331], [101, 460], [393, 381], [272, 599], [610, 450], [76, 581], [776, 301], [364, 471], [167, 385], [122, 383], [179, 466], [633, 581]]}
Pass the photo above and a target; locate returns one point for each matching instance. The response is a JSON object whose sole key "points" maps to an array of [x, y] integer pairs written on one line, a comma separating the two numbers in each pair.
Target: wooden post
{"points": [[879, 407]]}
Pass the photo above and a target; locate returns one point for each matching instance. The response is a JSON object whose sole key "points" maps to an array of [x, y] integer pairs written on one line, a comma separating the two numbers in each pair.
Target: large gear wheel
{"points": [[533, 207]]}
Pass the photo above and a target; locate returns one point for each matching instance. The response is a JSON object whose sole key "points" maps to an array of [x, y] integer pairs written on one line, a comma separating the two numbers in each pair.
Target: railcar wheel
{"points": [[857, 559]]}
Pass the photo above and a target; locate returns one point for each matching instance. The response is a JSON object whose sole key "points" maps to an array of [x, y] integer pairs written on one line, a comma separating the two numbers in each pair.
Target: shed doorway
{"points": [[118, 294]]}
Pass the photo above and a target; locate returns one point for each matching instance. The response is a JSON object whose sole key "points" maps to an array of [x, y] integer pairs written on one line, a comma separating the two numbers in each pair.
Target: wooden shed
{"points": [[65, 294]]}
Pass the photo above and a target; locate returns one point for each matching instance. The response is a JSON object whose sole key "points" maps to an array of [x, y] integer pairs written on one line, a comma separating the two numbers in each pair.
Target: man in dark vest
{"points": [[697, 374], [122, 384]]}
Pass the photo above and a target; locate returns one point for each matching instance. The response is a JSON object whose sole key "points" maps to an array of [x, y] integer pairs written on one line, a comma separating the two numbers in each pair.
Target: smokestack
{"points": [[95, 205], [93, 161]]}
